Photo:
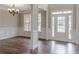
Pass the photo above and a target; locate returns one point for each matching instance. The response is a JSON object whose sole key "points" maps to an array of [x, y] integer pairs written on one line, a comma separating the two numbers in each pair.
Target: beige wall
{"points": [[8, 25]]}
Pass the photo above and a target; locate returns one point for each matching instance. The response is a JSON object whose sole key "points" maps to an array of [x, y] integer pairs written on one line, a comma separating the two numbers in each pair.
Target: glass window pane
{"points": [[61, 12], [39, 22], [53, 26], [69, 26], [27, 22], [61, 23]]}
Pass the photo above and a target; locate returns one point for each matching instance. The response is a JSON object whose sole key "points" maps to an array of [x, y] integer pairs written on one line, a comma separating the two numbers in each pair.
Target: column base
{"points": [[34, 51]]}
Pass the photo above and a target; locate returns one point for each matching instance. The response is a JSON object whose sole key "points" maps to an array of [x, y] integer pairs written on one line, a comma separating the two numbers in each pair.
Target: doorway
{"points": [[62, 25]]}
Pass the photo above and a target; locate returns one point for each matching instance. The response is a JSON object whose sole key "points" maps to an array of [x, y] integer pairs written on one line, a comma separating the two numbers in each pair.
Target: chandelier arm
{"points": [[13, 10]]}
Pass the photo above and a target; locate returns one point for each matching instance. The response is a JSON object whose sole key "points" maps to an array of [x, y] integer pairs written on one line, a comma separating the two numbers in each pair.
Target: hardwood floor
{"points": [[57, 47], [20, 45], [14, 46]]}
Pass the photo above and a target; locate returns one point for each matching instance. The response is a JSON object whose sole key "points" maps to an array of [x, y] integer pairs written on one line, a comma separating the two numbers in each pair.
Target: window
{"points": [[59, 17], [27, 22], [53, 26], [39, 22], [69, 26], [61, 24], [61, 12]]}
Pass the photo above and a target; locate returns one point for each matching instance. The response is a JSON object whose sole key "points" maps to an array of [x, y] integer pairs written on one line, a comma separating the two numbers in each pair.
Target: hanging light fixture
{"points": [[13, 10]]}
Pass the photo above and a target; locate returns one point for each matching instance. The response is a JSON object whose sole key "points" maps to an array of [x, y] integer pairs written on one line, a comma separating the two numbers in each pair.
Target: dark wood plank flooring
{"points": [[20, 45]]}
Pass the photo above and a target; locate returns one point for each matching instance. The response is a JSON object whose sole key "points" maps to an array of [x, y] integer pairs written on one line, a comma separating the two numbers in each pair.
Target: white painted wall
{"points": [[21, 31], [61, 7], [8, 25], [77, 24], [75, 18], [42, 34], [43, 6]]}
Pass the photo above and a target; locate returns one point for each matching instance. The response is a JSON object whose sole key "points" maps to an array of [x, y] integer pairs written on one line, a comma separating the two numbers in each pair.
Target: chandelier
{"points": [[13, 10]]}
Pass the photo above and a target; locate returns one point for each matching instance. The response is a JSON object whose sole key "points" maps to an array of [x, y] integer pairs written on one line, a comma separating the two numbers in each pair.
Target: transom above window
{"points": [[61, 12]]}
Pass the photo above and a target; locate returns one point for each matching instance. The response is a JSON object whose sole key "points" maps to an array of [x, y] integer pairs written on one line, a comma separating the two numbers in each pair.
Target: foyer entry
{"points": [[62, 25]]}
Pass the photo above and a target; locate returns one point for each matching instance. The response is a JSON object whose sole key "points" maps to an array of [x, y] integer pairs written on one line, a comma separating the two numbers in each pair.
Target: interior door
{"points": [[61, 27]]}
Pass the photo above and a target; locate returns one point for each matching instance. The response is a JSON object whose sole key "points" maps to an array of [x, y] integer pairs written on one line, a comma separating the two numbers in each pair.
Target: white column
{"points": [[74, 16], [48, 24], [77, 24], [74, 23], [75, 28], [34, 28], [43, 24]]}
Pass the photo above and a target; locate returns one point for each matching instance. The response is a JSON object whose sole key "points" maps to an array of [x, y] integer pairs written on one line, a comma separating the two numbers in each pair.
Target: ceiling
{"points": [[61, 6], [23, 7]]}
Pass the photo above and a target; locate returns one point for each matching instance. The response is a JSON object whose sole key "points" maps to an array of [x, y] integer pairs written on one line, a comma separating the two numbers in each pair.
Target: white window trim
{"points": [[28, 30]]}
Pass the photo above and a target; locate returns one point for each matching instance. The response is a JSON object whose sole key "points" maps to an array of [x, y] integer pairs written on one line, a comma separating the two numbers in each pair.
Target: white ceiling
{"points": [[19, 6], [61, 6], [23, 7]]}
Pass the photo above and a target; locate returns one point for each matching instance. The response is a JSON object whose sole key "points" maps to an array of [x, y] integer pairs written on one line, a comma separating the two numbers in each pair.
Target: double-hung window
{"points": [[27, 22]]}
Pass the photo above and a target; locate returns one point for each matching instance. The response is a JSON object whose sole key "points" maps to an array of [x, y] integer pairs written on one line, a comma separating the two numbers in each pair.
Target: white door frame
{"points": [[67, 30]]}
